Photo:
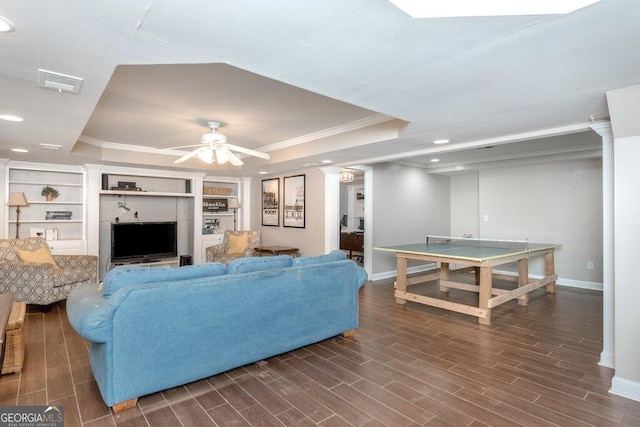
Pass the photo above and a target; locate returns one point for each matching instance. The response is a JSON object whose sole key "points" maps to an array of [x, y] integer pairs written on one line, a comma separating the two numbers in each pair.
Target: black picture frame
{"points": [[271, 202], [294, 206]]}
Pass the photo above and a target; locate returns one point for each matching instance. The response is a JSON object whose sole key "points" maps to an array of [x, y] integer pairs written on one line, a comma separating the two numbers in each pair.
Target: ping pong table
{"points": [[480, 256]]}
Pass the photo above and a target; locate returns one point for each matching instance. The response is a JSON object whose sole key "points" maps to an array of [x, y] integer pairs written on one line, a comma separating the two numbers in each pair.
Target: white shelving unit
{"points": [[224, 216], [30, 178], [145, 195]]}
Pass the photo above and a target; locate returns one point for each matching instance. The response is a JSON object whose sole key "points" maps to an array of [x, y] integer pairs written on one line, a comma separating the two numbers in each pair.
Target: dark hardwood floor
{"points": [[406, 366]]}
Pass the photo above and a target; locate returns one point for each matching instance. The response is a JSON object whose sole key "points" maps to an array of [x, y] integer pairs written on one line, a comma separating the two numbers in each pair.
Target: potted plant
{"points": [[50, 193]]}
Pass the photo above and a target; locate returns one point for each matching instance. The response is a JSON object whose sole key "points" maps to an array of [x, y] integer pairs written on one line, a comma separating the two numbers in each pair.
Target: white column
{"points": [[245, 204], [4, 219], [607, 357], [92, 189], [331, 208]]}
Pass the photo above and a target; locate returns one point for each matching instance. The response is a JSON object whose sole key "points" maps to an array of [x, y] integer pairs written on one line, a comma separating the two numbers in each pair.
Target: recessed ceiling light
{"points": [[440, 141], [327, 161], [263, 172], [6, 26], [20, 150], [435, 160], [11, 118], [458, 8]]}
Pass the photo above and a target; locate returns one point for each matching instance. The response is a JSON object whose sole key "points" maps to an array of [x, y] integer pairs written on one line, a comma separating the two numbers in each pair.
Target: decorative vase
{"points": [[49, 197]]}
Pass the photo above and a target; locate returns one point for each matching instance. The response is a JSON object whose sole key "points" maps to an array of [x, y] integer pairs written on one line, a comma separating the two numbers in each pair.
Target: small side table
{"points": [[277, 250], [6, 303]]}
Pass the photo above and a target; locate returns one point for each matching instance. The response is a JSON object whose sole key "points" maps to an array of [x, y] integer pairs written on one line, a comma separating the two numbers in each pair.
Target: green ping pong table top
{"points": [[471, 250]]}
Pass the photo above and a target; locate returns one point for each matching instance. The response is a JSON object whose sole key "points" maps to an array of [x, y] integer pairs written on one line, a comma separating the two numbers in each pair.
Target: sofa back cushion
{"points": [[335, 255], [251, 264], [9, 247], [39, 256], [122, 276]]}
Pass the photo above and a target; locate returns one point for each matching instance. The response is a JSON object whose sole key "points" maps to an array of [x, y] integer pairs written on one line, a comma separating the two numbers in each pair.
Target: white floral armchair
{"points": [[42, 283], [235, 244]]}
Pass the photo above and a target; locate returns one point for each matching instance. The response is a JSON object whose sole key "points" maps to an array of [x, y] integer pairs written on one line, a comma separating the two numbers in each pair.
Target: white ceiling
{"points": [[353, 82]]}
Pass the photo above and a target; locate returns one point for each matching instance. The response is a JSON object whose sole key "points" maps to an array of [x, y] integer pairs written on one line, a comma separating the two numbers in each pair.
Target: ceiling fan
{"points": [[214, 147]]}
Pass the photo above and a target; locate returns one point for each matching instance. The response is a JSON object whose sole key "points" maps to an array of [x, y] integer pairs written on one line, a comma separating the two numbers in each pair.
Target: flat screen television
{"points": [[143, 241]]}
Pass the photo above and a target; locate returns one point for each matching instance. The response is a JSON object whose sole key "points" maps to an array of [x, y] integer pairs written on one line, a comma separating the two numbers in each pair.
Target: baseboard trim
{"points": [[625, 388], [607, 360]]}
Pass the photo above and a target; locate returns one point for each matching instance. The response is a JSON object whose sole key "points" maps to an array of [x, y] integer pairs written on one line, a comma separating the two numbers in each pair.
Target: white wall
{"points": [[310, 240], [408, 204], [548, 203]]}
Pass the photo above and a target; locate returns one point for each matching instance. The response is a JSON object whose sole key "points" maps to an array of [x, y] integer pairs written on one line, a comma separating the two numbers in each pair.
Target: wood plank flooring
{"points": [[407, 365]]}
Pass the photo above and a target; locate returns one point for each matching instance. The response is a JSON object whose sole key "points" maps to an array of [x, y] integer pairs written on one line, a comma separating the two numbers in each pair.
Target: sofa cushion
{"points": [[335, 255], [39, 256], [124, 275], [237, 244], [9, 247], [250, 264]]}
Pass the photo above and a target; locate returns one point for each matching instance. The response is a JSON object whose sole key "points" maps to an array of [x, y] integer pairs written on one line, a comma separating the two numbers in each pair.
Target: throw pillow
{"points": [[237, 244], [40, 256]]}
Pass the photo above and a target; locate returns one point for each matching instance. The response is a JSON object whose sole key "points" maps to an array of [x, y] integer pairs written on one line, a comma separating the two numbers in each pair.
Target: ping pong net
{"points": [[469, 242]]}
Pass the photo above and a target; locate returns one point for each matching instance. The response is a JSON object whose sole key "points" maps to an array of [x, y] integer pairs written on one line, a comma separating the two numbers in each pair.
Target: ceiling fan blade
{"points": [[190, 155], [222, 155], [235, 161], [248, 151]]}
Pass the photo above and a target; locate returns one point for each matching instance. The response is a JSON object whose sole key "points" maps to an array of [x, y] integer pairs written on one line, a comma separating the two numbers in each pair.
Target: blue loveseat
{"points": [[150, 329]]}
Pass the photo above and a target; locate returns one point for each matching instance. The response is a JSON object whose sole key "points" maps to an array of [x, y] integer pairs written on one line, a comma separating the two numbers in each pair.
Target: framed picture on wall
{"points": [[293, 209], [270, 202]]}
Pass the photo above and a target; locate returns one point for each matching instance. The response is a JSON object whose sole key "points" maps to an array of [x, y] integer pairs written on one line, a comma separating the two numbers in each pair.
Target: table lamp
{"points": [[17, 200], [234, 204]]}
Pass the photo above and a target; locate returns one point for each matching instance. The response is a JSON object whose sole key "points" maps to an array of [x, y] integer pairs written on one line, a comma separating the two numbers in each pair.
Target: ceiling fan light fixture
{"points": [[206, 156], [222, 155], [215, 137]]}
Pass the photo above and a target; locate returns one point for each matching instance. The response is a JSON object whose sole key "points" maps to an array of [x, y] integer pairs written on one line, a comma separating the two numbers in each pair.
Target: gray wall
{"points": [[408, 204], [548, 203]]}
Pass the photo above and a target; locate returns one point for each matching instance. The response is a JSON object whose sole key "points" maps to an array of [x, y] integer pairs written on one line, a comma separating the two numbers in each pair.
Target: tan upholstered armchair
{"points": [[46, 278], [235, 244]]}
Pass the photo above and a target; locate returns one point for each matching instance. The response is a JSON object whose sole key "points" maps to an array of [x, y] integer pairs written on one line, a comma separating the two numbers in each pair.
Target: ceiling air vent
{"points": [[58, 81]]}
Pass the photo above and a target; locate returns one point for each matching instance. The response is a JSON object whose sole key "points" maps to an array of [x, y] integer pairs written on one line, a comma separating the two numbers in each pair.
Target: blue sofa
{"points": [[150, 329]]}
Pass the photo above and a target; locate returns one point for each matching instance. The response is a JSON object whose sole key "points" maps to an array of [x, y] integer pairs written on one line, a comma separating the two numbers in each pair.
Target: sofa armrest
{"points": [[214, 250], [77, 261], [90, 313], [26, 274]]}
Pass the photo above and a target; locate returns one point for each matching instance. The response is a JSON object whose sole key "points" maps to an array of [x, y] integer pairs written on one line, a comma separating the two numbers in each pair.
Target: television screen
{"points": [[143, 241]]}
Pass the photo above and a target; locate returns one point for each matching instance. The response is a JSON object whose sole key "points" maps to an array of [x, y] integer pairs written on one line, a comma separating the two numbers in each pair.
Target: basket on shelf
{"points": [[217, 191]]}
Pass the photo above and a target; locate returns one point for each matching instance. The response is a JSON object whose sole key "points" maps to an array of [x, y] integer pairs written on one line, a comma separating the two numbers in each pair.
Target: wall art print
{"points": [[270, 204], [294, 201]]}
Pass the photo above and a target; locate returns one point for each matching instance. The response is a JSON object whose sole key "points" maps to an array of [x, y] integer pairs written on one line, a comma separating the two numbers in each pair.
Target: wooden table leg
{"points": [[486, 279], [444, 275], [549, 269], [523, 279], [401, 277]]}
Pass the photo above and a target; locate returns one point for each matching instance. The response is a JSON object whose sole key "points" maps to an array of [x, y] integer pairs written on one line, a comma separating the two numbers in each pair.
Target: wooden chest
{"points": [[14, 350]]}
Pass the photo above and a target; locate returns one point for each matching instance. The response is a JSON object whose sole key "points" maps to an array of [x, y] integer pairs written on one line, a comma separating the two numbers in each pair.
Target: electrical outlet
{"points": [[485, 218], [589, 265]]}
